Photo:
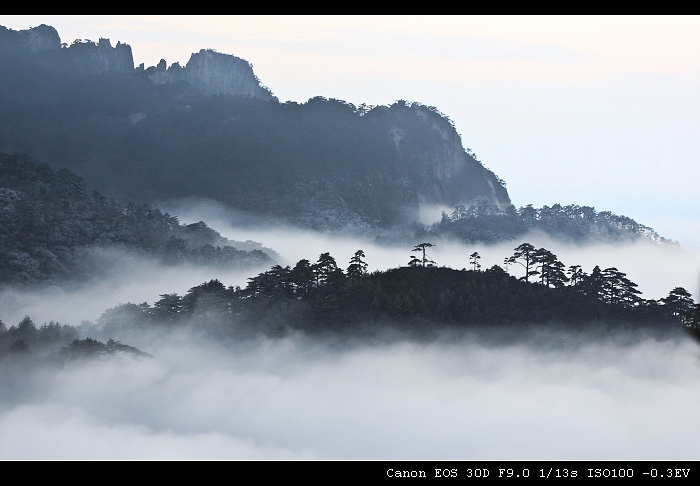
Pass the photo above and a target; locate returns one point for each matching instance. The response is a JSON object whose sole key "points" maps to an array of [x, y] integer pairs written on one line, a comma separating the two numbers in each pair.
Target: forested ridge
{"points": [[55, 342], [324, 164], [322, 297], [48, 219], [484, 222]]}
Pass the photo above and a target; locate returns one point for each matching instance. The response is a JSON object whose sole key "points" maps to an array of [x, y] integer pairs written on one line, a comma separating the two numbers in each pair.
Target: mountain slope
{"points": [[48, 218], [210, 130]]}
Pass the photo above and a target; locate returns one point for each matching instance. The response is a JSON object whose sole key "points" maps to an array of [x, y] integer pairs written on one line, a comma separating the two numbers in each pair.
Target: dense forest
{"points": [[53, 342], [322, 297], [421, 299], [48, 219], [484, 222]]}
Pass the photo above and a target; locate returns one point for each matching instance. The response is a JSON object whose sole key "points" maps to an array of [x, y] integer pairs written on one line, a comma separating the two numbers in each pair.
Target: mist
{"points": [[126, 276], [301, 398], [656, 268], [546, 394], [122, 276], [292, 368]]}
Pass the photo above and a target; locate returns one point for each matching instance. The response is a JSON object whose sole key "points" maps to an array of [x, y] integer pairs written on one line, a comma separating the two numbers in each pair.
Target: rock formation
{"points": [[40, 38], [42, 45], [157, 133], [213, 73], [433, 158], [100, 57]]}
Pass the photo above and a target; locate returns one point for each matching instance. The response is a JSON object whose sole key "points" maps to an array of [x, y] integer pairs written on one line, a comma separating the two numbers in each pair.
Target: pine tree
{"points": [[525, 256], [357, 268], [680, 304], [426, 261], [474, 261]]}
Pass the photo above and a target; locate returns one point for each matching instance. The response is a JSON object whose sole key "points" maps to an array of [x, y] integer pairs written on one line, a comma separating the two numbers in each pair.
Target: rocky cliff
{"points": [[432, 156], [40, 38], [210, 130], [42, 47], [100, 57], [213, 73]]}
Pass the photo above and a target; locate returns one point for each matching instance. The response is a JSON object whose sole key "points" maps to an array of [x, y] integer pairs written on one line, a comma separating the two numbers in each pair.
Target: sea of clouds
{"points": [[547, 394], [301, 398]]}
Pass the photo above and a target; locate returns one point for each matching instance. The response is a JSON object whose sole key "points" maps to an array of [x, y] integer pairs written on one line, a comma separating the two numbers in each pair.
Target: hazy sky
{"points": [[599, 111]]}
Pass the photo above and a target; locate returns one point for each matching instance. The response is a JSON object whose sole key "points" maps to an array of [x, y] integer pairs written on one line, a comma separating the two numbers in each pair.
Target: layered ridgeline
{"points": [[209, 129], [49, 222]]}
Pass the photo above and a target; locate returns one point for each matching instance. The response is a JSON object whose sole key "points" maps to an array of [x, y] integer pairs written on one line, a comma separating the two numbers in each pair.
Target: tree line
{"points": [[485, 222], [55, 341], [322, 296]]}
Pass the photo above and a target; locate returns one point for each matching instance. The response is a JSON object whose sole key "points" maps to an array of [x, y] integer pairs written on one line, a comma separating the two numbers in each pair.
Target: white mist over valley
{"points": [[548, 395], [297, 398]]}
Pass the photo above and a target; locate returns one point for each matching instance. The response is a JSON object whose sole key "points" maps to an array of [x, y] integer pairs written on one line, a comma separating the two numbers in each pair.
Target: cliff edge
{"points": [[213, 73]]}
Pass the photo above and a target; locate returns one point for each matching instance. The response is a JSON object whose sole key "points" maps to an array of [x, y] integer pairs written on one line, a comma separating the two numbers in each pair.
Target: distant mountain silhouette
{"points": [[209, 129]]}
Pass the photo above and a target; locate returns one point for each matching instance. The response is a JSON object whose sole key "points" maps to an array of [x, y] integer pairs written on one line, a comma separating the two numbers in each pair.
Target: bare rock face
{"points": [[100, 57], [214, 73], [42, 44], [433, 158], [42, 38]]}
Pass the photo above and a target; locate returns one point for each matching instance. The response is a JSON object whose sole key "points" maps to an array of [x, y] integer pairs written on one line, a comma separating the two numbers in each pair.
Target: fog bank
{"points": [[125, 277], [300, 398]]}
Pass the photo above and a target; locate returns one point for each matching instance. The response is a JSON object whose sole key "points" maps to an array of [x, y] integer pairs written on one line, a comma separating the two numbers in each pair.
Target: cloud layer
{"points": [[299, 398]]}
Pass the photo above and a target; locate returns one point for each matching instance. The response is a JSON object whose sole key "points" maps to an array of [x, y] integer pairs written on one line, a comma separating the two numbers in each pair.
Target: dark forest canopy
{"points": [[321, 297], [487, 223], [55, 342], [48, 219]]}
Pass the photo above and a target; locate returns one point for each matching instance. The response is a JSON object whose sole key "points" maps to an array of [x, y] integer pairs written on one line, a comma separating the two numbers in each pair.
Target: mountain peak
{"points": [[213, 73], [40, 38]]}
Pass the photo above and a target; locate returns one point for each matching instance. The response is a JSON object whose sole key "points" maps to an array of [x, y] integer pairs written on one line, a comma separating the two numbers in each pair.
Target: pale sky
{"points": [[598, 111]]}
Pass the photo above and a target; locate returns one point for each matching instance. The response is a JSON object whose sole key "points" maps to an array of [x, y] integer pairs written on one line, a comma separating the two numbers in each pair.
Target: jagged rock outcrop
{"points": [[42, 38], [213, 73], [42, 46], [208, 71], [96, 58]]}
